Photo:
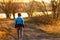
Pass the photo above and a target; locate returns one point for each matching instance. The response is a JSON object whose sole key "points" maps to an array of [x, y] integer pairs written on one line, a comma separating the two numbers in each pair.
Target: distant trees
{"points": [[35, 6], [15, 9], [31, 7], [8, 8], [55, 8], [58, 8]]}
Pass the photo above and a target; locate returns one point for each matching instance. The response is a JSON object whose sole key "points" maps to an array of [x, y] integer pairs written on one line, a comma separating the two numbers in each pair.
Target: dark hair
{"points": [[19, 14]]}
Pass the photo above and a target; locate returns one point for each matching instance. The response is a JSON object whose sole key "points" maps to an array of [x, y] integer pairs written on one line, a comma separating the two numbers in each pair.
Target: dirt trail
{"points": [[34, 34]]}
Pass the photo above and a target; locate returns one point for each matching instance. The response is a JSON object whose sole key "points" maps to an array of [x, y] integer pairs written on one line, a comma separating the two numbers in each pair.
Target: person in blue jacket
{"points": [[19, 25]]}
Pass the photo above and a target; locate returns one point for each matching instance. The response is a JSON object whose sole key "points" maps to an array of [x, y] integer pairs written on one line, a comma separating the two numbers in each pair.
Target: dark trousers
{"points": [[20, 33], [19, 30]]}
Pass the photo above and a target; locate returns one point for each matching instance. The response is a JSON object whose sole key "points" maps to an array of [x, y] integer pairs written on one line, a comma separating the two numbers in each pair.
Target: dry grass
{"points": [[54, 28], [45, 24], [7, 30], [6, 26]]}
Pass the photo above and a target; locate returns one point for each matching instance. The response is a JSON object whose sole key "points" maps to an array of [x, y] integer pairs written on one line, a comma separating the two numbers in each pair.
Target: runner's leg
{"points": [[21, 33], [18, 33]]}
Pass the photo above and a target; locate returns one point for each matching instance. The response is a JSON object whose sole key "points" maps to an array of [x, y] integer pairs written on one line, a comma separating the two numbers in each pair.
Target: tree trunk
{"points": [[14, 15], [29, 15], [54, 14], [7, 15], [58, 15]]}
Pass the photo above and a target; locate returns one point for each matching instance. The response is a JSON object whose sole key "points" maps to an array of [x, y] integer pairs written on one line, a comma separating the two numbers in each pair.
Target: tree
{"points": [[55, 8], [35, 6], [14, 9], [9, 7], [58, 8], [30, 9], [6, 7]]}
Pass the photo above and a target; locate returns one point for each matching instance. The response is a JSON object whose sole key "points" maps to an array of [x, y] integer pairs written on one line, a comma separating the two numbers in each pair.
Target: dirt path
{"points": [[34, 34]]}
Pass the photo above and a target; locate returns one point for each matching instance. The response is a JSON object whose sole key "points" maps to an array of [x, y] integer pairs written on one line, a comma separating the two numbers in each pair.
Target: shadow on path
{"points": [[34, 34]]}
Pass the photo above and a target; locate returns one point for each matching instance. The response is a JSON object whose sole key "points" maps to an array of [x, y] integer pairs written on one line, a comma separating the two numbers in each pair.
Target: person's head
{"points": [[19, 14]]}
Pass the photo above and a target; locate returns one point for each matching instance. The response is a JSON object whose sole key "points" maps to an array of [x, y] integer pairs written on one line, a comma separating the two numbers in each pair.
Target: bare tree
{"points": [[9, 7], [6, 7], [14, 9], [30, 9], [58, 9]]}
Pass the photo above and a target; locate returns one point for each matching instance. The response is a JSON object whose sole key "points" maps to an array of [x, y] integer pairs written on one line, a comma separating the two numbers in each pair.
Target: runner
{"points": [[19, 25]]}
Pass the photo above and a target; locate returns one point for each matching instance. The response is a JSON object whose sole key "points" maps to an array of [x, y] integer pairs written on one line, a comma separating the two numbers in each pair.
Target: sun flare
{"points": [[47, 1]]}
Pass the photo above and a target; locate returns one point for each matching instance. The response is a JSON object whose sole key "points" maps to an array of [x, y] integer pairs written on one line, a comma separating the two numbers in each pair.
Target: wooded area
{"points": [[31, 7], [34, 25]]}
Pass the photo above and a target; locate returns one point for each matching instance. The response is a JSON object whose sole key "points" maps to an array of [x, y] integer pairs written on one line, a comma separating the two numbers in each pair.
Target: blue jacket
{"points": [[19, 20]]}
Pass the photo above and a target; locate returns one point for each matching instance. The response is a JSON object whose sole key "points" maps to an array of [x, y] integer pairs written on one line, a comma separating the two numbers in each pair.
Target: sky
{"points": [[27, 0]]}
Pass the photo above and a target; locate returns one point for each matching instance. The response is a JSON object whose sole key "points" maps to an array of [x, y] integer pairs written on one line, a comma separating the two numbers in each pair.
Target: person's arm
{"points": [[23, 22], [15, 22]]}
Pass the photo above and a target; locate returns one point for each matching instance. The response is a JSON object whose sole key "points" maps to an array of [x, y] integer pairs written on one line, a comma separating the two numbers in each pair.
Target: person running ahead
{"points": [[19, 25]]}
